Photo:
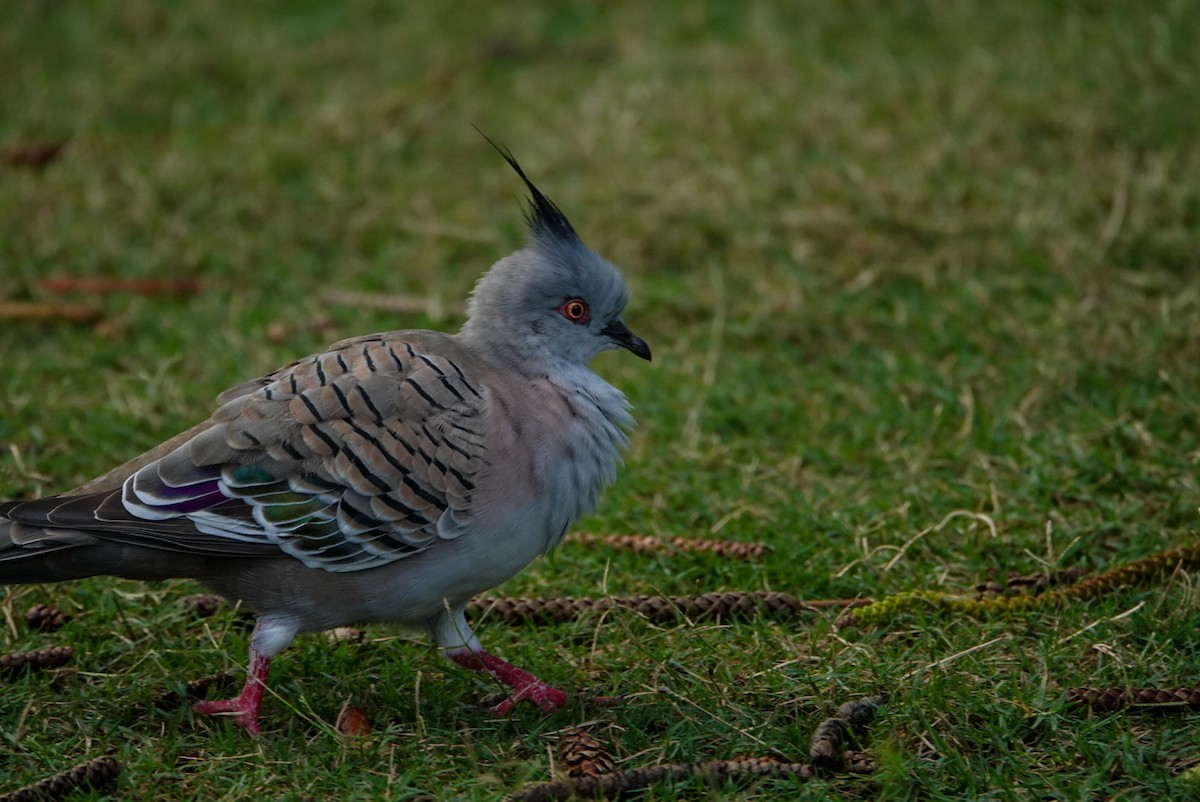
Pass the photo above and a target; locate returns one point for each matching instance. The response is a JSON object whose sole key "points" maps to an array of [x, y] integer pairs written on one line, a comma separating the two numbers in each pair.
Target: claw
{"points": [[525, 686], [247, 713], [546, 697], [247, 704]]}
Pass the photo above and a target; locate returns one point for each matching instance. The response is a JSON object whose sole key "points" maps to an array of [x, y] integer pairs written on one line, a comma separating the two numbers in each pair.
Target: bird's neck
{"points": [[523, 356]]}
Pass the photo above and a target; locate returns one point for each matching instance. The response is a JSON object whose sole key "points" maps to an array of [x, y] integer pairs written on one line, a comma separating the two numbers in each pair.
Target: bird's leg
{"points": [[525, 686], [269, 638], [248, 702], [457, 642]]}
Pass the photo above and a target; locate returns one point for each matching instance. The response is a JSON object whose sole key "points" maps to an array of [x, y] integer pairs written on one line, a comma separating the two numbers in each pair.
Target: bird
{"points": [[390, 478]]}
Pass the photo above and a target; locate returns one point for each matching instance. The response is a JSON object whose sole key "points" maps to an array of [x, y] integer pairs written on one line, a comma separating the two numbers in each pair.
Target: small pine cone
{"points": [[205, 605], [53, 657], [580, 754], [1118, 698], [861, 712], [858, 762], [43, 618], [196, 688], [170, 700], [827, 749], [97, 774], [828, 739]]}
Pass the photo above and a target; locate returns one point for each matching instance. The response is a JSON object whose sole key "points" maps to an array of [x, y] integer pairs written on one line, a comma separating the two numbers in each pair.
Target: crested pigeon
{"points": [[390, 478]]}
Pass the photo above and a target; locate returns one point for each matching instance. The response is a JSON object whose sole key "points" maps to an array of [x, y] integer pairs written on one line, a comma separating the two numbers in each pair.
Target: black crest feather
{"points": [[545, 219]]}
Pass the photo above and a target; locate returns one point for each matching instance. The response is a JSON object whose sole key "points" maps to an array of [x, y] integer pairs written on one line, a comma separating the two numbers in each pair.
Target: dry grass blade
{"points": [[102, 285], [36, 157], [48, 312]]}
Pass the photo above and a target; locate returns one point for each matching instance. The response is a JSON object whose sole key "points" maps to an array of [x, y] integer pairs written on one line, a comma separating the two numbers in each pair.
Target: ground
{"points": [[921, 285]]}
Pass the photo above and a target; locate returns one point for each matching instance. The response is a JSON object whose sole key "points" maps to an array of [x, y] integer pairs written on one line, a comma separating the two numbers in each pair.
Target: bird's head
{"points": [[554, 300]]}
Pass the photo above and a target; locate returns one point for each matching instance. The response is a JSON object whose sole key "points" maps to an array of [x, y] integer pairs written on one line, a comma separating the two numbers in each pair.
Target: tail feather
{"points": [[29, 555], [33, 554], [16, 536]]}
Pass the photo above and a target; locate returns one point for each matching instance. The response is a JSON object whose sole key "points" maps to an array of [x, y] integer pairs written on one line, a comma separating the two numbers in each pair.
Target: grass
{"points": [[897, 261]]}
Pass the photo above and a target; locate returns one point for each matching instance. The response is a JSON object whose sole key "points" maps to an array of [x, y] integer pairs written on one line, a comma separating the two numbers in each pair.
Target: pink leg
{"points": [[525, 686], [246, 705]]}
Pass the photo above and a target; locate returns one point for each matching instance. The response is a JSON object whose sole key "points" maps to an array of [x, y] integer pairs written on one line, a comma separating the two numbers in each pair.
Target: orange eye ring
{"points": [[575, 310]]}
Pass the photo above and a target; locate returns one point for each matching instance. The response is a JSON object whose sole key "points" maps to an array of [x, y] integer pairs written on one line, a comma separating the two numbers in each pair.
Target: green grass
{"points": [[895, 260]]}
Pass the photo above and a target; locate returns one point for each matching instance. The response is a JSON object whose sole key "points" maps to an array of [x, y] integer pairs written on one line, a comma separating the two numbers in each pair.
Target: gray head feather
{"points": [[516, 306]]}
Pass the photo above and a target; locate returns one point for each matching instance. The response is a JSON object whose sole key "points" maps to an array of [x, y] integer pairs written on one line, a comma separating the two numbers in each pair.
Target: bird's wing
{"points": [[114, 478], [346, 460]]}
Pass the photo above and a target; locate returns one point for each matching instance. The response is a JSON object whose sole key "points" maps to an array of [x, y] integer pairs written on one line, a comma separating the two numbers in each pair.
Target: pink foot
{"points": [[247, 704], [525, 686], [247, 712]]}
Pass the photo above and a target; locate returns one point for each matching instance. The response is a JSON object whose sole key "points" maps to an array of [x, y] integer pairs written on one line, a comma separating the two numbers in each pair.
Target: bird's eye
{"points": [[575, 310]]}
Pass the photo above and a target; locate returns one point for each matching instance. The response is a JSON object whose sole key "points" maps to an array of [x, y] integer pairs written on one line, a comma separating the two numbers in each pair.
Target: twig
{"points": [[947, 660], [34, 156], [45, 312], [100, 285]]}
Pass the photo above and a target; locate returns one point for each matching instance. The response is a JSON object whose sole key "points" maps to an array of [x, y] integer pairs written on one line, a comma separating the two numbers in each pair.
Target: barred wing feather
{"points": [[345, 460]]}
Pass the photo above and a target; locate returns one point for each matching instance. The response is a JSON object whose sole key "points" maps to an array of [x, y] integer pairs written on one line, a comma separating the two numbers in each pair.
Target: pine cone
{"points": [[96, 774], [828, 739], [827, 748], [44, 618], [205, 605], [53, 657], [170, 700], [580, 754], [1118, 698], [858, 762]]}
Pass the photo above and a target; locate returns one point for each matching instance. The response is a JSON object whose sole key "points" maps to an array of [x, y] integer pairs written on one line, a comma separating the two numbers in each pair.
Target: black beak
{"points": [[619, 333]]}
